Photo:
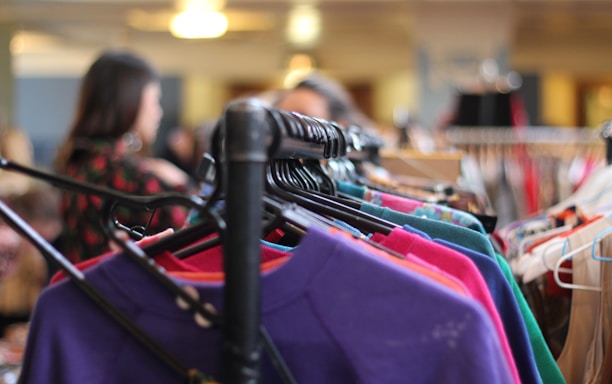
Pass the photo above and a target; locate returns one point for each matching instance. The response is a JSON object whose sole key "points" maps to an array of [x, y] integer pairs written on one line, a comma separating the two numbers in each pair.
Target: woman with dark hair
{"points": [[118, 114]]}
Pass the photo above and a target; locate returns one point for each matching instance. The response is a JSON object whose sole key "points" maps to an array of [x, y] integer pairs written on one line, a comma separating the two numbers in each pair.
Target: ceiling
{"points": [[361, 39]]}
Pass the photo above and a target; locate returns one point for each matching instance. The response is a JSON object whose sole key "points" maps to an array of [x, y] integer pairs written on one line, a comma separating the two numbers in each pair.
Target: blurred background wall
{"points": [[392, 54]]}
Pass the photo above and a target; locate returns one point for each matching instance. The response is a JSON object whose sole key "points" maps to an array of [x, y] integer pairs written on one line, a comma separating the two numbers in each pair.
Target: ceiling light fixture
{"points": [[199, 19], [304, 25]]}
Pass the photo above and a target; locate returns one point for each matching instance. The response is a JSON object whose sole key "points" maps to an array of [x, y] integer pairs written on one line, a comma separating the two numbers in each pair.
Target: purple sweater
{"points": [[337, 313]]}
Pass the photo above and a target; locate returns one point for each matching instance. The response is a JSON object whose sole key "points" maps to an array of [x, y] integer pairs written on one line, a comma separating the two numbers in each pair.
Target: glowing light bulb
{"points": [[199, 20]]}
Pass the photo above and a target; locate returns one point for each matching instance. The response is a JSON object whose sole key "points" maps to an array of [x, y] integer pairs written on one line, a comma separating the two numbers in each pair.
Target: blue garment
{"points": [[412, 229], [349, 228], [508, 310], [551, 373]]}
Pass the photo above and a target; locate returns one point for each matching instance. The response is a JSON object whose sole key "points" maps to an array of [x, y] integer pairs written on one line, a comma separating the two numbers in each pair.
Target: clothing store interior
{"points": [[445, 165]]}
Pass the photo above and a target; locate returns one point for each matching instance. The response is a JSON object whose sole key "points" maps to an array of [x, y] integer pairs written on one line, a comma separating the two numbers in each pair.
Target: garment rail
{"points": [[250, 133]]}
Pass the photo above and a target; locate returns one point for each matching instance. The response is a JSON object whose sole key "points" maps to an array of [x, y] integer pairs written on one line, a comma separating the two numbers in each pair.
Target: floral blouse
{"points": [[109, 165]]}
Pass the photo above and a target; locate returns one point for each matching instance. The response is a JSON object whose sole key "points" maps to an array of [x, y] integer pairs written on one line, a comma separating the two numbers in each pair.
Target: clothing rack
{"points": [[251, 133], [247, 125], [528, 150], [520, 135], [537, 136]]}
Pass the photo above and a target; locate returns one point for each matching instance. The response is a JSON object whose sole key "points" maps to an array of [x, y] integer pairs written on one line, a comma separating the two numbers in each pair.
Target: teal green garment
{"points": [[436, 229], [429, 210], [547, 366], [351, 189]]}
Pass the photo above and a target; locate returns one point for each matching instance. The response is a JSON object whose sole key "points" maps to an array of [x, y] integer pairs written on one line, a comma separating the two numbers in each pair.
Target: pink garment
{"points": [[388, 200]]}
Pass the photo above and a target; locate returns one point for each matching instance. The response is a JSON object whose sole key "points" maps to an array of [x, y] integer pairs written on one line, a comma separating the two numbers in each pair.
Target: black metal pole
{"points": [[245, 157]]}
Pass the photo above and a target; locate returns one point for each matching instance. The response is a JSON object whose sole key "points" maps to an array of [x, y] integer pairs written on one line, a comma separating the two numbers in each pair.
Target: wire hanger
{"points": [[598, 239], [559, 246]]}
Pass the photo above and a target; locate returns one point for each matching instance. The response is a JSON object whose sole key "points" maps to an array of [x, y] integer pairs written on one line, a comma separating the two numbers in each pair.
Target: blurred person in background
{"points": [[117, 116], [16, 146], [324, 98], [24, 272]]}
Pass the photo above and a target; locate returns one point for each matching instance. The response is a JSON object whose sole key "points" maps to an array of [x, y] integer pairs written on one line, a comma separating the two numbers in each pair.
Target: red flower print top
{"points": [[107, 164]]}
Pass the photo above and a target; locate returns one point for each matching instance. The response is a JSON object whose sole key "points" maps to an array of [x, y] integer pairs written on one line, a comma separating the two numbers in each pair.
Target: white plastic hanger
{"points": [[557, 268], [560, 246], [520, 264], [542, 258], [527, 240]]}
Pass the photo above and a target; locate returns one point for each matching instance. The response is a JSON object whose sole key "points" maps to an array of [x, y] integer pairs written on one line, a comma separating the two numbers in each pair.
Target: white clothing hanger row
{"points": [[566, 256], [544, 257], [522, 264]]}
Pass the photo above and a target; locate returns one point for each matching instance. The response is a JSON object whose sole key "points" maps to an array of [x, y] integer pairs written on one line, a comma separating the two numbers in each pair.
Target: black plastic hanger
{"points": [[320, 204], [78, 278], [308, 218], [112, 199]]}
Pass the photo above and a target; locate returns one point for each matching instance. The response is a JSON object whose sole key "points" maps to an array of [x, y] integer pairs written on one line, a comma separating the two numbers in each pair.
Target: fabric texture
{"points": [[526, 338], [478, 243], [435, 228], [459, 266]]}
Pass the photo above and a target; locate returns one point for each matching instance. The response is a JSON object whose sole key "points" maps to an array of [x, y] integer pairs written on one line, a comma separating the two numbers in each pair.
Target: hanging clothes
{"points": [[351, 292], [317, 310]]}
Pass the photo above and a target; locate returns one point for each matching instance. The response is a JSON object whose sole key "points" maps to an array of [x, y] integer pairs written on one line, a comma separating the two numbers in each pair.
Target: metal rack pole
{"points": [[245, 157]]}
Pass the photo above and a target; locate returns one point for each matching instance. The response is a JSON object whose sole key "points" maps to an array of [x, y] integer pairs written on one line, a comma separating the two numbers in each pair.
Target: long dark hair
{"points": [[109, 100]]}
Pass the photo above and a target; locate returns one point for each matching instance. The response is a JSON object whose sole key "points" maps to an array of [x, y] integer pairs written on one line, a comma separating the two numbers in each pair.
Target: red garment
{"points": [[211, 260], [165, 260]]}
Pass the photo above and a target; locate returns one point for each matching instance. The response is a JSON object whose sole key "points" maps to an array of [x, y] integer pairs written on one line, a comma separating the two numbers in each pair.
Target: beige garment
{"points": [[585, 304], [598, 353], [17, 147], [606, 374]]}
